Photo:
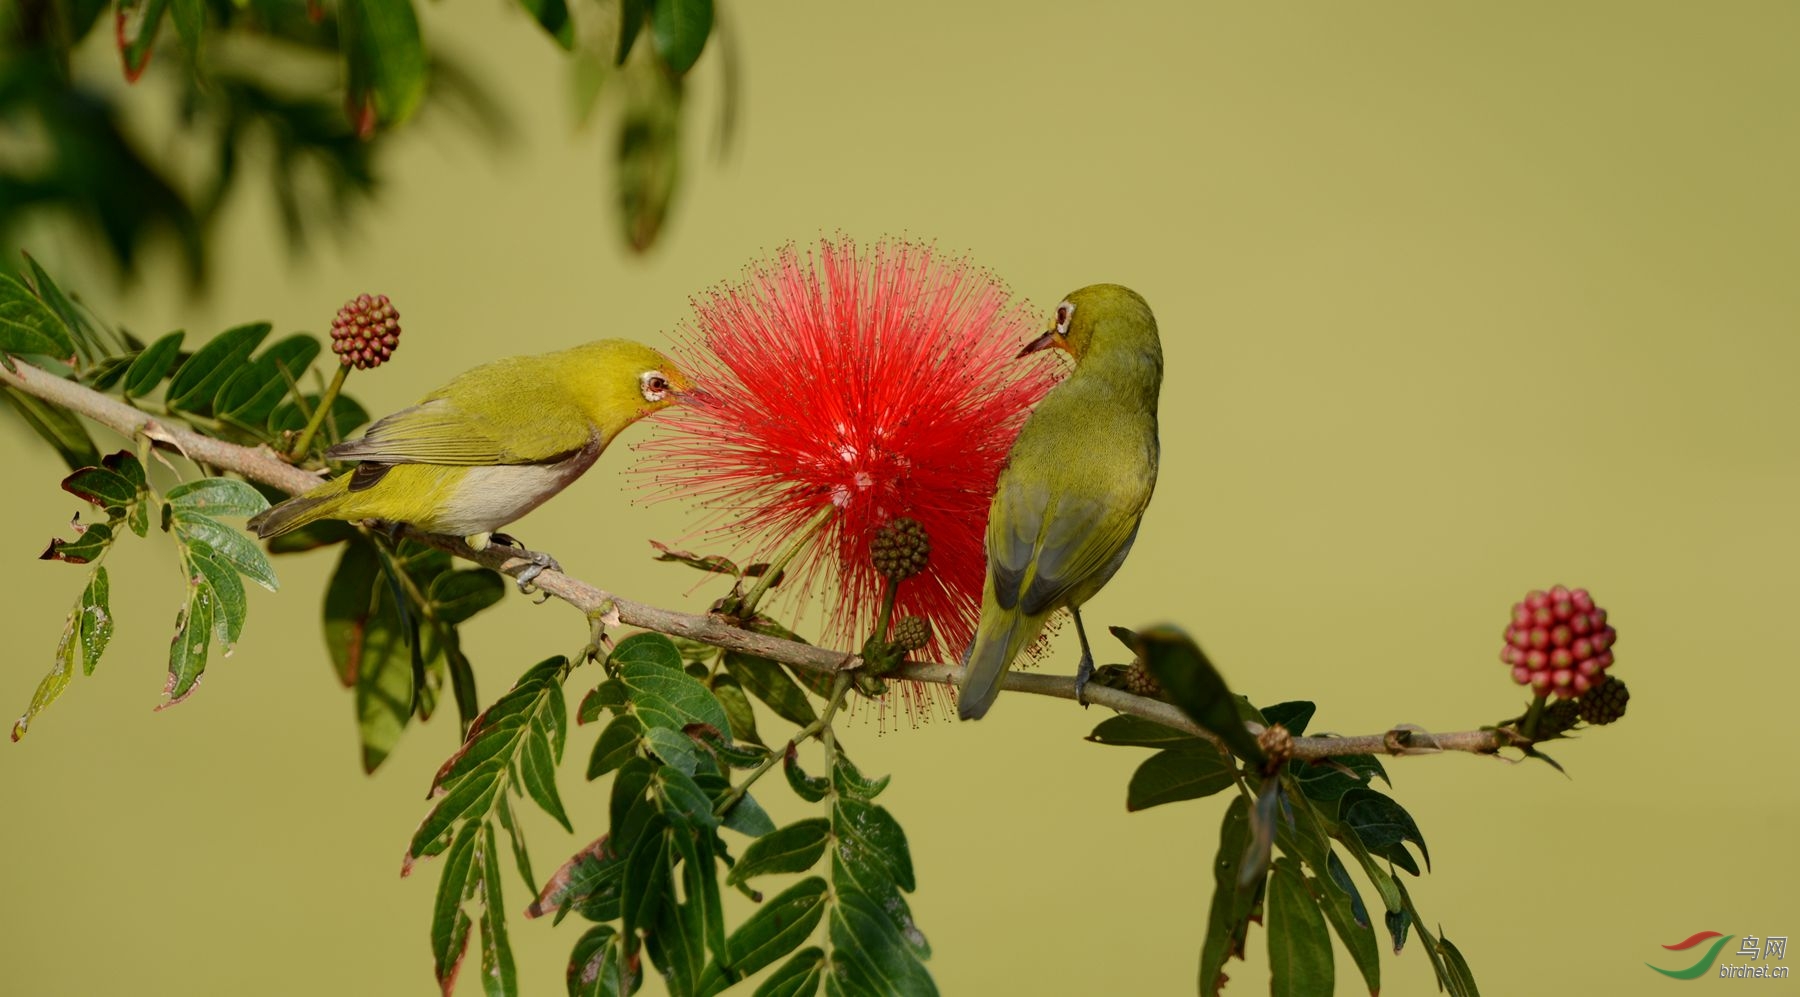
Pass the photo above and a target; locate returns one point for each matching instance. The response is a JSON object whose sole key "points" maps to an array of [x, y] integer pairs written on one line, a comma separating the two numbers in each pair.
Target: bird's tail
{"points": [[320, 503], [999, 638]]}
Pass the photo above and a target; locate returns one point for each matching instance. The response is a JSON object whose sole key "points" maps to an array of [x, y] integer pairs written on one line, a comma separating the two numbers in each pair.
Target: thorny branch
{"points": [[263, 465]]}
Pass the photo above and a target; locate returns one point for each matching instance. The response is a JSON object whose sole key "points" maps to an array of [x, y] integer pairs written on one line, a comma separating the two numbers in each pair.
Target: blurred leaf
{"points": [[598, 967], [216, 497], [93, 540], [28, 326], [349, 607], [678, 29], [190, 24], [1228, 924], [1299, 947], [58, 426], [152, 365], [383, 683], [62, 669], [1131, 731], [312, 536], [631, 21], [233, 546], [801, 976], [1458, 978], [458, 595], [794, 848], [1194, 685], [187, 652], [647, 160], [553, 17], [769, 682], [250, 396], [138, 22], [1174, 775], [80, 329], [96, 620], [197, 382], [1383, 825], [1344, 908], [384, 56], [346, 414]]}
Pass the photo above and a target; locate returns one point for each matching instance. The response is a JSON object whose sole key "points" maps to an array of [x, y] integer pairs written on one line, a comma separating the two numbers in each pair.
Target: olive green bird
{"points": [[490, 446], [1074, 488]]}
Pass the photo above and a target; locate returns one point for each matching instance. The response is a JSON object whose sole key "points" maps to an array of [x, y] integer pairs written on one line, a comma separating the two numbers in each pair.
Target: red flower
{"points": [[881, 382]]}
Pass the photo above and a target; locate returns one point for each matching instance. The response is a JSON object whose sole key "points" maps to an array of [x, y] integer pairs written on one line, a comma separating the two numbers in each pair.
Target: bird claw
{"points": [[540, 561], [1083, 673]]}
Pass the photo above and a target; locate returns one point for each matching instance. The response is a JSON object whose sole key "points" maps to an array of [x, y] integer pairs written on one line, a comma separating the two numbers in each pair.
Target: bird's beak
{"points": [[694, 396], [1047, 341]]}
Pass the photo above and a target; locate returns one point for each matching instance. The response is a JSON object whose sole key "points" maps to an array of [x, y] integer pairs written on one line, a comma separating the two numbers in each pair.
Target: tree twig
{"points": [[263, 465]]}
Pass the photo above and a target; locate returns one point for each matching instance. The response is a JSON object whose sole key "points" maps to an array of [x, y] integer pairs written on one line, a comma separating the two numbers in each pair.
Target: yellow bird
{"points": [[490, 446], [1075, 486]]}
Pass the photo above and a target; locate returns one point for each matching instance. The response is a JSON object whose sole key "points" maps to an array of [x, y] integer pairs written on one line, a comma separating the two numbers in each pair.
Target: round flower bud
{"points": [[366, 331], [1605, 702], [900, 549], [912, 633], [1558, 643]]}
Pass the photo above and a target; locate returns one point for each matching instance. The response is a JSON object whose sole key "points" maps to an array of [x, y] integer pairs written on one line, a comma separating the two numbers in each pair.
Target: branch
{"points": [[263, 465]]}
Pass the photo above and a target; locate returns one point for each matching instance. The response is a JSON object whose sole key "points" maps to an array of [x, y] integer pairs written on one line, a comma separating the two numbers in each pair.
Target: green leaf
{"points": [[681, 802], [628, 793], [449, 925], [678, 29], [216, 497], [152, 365], [471, 796], [800, 976], [62, 669], [1350, 919], [673, 748], [1178, 774], [384, 55], [187, 652], [1137, 732], [102, 487], [233, 546], [96, 620], [1299, 947], [850, 782], [713, 563], [498, 975], [109, 371], [868, 835], [553, 17], [1398, 923], [608, 695], [135, 46], [747, 817], [647, 158], [598, 967], [795, 848], [537, 769], [1228, 924], [675, 945], [771, 683], [79, 328], [88, 545], [1293, 715], [776, 929], [648, 648], [631, 21], [647, 872], [249, 397], [312, 536], [349, 607], [190, 23], [737, 707], [228, 593], [1326, 780], [1194, 685], [1458, 978], [515, 835], [591, 881], [868, 954], [810, 788], [458, 595], [29, 326], [670, 698], [617, 744], [58, 427], [1383, 825], [198, 381]]}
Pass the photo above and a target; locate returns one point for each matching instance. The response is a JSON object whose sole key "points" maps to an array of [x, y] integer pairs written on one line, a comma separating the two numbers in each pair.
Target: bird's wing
{"points": [[1044, 547], [440, 431]]}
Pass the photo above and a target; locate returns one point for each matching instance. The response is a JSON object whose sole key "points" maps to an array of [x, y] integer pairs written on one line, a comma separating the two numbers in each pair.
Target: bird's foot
{"points": [[1083, 673], [539, 562]]}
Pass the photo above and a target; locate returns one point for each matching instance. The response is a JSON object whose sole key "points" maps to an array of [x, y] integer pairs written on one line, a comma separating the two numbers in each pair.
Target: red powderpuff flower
{"points": [[881, 383]]}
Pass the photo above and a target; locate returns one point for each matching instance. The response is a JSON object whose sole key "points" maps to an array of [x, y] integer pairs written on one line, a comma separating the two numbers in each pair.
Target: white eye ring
{"points": [[1065, 312], [653, 385]]}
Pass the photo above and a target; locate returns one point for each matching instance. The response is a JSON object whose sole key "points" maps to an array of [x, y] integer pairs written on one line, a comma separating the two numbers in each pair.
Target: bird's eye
{"points": [[653, 385], [1064, 312]]}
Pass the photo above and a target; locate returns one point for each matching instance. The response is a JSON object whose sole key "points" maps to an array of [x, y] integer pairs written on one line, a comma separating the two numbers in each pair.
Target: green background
{"points": [[1456, 302]]}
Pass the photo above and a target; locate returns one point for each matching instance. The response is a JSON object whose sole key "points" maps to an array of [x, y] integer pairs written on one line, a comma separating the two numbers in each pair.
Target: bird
{"points": [[1074, 488], [490, 446]]}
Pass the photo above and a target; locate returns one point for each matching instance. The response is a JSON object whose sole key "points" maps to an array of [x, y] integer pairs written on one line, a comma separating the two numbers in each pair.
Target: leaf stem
{"points": [[757, 591], [304, 442], [821, 725]]}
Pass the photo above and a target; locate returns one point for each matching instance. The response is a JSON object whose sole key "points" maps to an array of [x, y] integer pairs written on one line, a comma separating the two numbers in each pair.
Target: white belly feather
{"points": [[491, 497]]}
